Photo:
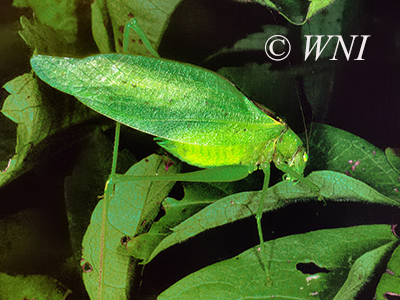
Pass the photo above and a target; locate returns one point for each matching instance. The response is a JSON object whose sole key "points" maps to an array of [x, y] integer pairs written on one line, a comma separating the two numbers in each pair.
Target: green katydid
{"points": [[195, 114]]}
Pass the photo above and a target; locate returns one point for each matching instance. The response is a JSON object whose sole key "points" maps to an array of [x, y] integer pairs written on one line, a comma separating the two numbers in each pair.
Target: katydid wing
{"points": [[196, 114]]}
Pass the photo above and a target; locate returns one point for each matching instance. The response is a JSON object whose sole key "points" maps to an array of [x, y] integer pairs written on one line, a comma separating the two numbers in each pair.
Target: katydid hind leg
{"points": [[113, 176], [216, 174], [108, 193], [116, 145], [134, 24]]}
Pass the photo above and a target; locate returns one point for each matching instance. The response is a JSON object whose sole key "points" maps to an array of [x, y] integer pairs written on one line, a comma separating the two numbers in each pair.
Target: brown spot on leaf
{"points": [[391, 296], [393, 228], [389, 272]]}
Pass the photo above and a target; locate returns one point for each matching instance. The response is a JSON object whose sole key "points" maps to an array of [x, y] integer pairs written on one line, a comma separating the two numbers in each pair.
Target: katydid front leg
{"points": [[134, 24], [300, 178]]}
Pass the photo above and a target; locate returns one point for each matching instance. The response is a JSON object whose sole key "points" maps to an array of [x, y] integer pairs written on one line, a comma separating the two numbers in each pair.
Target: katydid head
{"points": [[290, 157], [298, 161]]}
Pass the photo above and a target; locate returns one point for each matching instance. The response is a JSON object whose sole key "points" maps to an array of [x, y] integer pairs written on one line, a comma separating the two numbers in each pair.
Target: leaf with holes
{"points": [[336, 186], [197, 196], [105, 261], [313, 265], [389, 285]]}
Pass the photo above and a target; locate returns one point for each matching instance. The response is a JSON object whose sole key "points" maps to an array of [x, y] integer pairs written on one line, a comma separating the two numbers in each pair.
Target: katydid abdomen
{"points": [[212, 156]]}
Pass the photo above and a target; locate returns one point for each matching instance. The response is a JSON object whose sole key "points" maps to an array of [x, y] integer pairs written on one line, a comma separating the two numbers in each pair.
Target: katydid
{"points": [[195, 114]]}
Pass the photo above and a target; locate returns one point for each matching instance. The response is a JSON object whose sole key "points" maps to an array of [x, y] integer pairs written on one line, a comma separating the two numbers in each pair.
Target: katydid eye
{"points": [[305, 157]]}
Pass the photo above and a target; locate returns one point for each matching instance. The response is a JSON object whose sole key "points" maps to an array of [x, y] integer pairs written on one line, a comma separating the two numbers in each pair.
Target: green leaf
{"points": [[330, 254], [132, 204], [23, 107], [38, 287], [362, 271], [136, 203], [334, 186], [20, 108], [340, 18], [393, 157], [253, 41], [58, 15], [197, 196], [38, 117], [44, 39], [316, 6], [337, 150], [109, 18], [115, 280], [390, 281], [101, 27]]}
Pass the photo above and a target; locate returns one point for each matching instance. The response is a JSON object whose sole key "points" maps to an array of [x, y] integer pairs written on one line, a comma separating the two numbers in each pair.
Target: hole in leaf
{"points": [[125, 239], [160, 214], [391, 296], [87, 268], [310, 268], [177, 191]]}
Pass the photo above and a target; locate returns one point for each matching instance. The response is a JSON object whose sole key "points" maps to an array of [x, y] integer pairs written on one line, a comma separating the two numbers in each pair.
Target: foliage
{"points": [[147, 224]]}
